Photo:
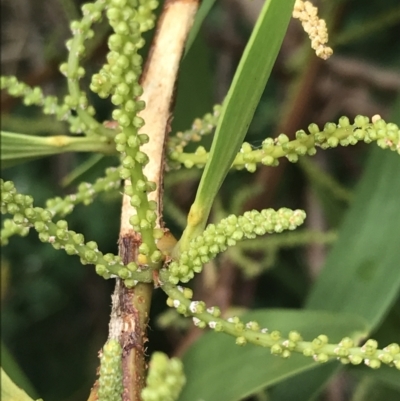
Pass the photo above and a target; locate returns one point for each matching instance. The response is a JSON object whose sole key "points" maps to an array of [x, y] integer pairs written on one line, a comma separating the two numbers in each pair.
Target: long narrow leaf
{"points": [[202, 12], [10, 391], [17, 148], [17, 375], [239, 106]]}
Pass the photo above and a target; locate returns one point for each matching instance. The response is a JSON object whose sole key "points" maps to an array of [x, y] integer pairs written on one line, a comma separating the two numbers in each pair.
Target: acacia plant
{"points": [[149, 257]]}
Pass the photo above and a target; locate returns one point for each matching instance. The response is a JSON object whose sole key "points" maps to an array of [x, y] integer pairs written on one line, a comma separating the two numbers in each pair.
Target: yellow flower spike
{"points": [[315, 27]]}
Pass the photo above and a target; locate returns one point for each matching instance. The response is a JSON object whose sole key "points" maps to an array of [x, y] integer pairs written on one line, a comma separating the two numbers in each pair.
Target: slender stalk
{"points": [[158, 81], [130, 310]]}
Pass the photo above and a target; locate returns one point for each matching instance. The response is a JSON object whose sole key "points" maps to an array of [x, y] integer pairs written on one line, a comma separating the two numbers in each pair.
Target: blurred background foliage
{"points": [[54, 312]]}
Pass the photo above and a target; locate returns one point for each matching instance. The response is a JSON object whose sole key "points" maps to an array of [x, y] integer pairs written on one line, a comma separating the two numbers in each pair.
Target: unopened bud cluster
{"points": [[77, 99], [110, 373], [60, 237], [386, 135], [347, 352], [119, 77], [319, 348], [165, 379], [62, 207], [10, 228], [314, 27], [86, 193], [218, 237], [200, 127], [82, 122], [186, 294], [35, 97]]}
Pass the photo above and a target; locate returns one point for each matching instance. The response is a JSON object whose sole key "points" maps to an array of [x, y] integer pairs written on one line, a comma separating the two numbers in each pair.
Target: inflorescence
{"points": [[165, 379], [77, 99], [314, 27], [25, 215], [83, 121], [216, 238], [319, 348], [35, 96], [386, 135], [62, 207], [119, 77], [200, 127], [110, 380]]}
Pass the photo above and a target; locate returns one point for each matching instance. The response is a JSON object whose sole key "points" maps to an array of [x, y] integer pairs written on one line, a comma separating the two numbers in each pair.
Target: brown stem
{"points": [[130, 307]]}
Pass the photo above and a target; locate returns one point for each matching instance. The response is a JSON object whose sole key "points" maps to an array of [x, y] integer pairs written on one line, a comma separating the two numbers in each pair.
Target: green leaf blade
{"points": [[10, 391], [361, 275], [244, 94], [18, 148], [239, 106], [204, 9]]}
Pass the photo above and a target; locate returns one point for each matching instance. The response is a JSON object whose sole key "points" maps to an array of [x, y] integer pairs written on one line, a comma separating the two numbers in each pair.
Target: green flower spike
{"points": [[77, 99], [217, 238], [35, 96], [119, 78], [386, 135], [57, 206], [200, 127], [319, 348], [165, 379], [110, 380], [58, 235], [86, 192]]}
